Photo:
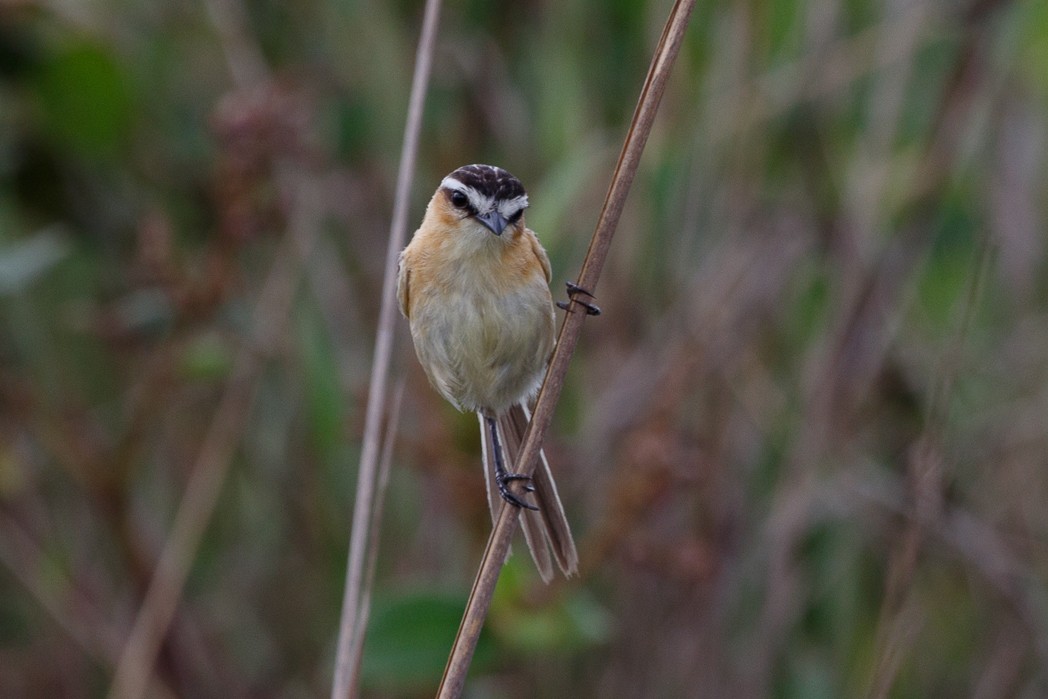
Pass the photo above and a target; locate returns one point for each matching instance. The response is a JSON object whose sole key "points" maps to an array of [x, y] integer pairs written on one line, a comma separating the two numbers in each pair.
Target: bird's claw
{"points": [[574, 291], [503, 481]]}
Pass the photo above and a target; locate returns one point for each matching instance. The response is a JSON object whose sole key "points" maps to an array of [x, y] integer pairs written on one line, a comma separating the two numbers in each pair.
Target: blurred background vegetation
{"points": [[805, 448]]}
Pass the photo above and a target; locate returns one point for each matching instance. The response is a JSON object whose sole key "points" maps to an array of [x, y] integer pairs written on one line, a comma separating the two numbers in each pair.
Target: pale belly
{"points": [[485, 352]]}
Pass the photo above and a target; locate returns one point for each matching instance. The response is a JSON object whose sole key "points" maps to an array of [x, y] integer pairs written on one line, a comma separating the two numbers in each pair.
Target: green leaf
{"points": [[323, 395], [207, 357], [572, 621], [409, 639], [84, 99], [1032, 20]]}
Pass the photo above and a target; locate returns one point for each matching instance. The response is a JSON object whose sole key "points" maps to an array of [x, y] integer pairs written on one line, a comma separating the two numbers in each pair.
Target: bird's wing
{"points": [[540, 253], [404, 287]]}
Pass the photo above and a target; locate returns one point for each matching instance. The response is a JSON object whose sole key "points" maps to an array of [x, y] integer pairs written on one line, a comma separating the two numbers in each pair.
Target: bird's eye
{"points": [[515, 217], [459, 200]]}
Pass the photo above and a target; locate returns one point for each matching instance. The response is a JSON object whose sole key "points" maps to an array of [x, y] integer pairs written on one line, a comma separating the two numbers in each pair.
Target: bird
{"points": [[473, 283]]}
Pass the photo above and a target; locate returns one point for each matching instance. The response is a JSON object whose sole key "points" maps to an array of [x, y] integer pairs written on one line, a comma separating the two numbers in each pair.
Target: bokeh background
{"points": [[805, 449]]}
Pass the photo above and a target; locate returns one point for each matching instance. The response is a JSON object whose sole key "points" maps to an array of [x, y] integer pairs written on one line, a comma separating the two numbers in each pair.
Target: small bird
{"points": [[474, 286]]}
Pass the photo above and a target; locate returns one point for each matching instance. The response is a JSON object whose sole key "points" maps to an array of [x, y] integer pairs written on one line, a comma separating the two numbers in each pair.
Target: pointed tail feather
{"points": [[488, 450], [546, 530], [531, 524]]}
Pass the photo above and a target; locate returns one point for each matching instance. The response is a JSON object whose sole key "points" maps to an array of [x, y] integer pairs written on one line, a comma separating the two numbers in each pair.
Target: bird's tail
{"points": [[546, 530]]}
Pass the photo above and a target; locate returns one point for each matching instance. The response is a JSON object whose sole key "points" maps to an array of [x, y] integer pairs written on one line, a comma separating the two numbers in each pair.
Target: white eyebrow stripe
{"points": [[511, 206], [482, 203], [478, 201], [451, 183]]}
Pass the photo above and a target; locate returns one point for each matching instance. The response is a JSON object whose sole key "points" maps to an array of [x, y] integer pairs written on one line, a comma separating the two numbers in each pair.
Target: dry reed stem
{"points": [[835, 393], [926, 470], [896, 630], [352, 623], [216, 452], [73, 611], [454, 678], [384, 467], [133, 672]]}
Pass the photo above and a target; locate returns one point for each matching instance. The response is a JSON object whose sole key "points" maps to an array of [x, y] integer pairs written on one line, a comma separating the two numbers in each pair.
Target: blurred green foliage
{"points": [[408, 642], [804, 447], [84, 100]]}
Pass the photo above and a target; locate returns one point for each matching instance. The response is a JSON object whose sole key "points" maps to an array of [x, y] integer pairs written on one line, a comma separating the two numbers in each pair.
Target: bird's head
{"points": [[487, 194]]}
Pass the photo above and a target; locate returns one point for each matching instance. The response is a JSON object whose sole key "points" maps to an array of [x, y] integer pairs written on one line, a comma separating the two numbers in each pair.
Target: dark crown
{"points": [[489, 181]]}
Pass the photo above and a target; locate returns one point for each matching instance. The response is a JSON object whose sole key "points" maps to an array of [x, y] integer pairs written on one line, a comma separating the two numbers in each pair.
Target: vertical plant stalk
{"points": [[454, 678], [384, 467], [212, 464], [927, 471], [351, 624], [269, 321], [896, 626]]}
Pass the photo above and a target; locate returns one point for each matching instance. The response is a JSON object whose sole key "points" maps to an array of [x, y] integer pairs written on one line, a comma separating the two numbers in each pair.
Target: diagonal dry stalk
{"points": [[353, 620], [216, 452], [896, 626], [135, 666], [927, 473], [454, 679], [70, 607]]}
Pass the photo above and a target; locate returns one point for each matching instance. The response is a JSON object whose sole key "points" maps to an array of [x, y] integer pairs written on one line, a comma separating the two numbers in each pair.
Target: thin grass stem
{"points": [[454, 678], [351, 625]]}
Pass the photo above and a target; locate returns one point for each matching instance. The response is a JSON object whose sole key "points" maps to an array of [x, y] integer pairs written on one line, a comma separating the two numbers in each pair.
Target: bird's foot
{"points": [[574, 291], [504, 479]]}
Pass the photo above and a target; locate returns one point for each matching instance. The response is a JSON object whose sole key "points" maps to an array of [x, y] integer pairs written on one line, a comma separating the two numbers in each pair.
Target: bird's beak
{"points": [[494, 221]]}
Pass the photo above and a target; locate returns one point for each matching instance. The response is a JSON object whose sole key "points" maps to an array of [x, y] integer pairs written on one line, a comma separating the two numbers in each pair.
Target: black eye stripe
{"points": [[458, 199], [482, 188]]}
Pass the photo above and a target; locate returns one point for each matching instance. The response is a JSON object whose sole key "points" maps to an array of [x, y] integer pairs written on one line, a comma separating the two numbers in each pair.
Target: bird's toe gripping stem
{"points": [[504, 479], [574, 291]]}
